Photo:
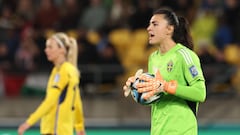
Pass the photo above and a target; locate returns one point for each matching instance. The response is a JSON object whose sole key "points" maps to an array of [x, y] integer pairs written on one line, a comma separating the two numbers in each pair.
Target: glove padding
{"points": [[126, 87], [154, 86]]}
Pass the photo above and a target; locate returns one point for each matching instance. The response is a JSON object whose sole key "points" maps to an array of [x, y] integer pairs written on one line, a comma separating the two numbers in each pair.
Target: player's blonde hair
{"points": [[70, 45], [73, 51], [61, 39]]}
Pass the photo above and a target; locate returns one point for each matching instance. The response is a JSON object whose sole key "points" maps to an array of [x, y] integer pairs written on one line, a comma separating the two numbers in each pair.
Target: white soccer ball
{"points": [[138, 97]]}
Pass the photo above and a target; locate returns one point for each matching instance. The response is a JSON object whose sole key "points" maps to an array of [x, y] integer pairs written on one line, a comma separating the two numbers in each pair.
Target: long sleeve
{"points": [[79, 116], [195, 92], [193, 86], [48, 102]]}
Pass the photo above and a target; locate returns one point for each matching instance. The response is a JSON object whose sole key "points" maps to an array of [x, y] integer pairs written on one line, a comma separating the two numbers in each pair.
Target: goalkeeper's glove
{"points": [[126, 87], [153, 86]]}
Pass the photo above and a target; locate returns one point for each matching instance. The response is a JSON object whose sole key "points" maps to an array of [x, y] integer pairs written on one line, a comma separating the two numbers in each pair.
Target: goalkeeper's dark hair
{"points": [[181, 33]]}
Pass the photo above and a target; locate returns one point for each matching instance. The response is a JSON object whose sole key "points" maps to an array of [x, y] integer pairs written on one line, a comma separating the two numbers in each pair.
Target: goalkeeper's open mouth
{"points": [[151, 36]]}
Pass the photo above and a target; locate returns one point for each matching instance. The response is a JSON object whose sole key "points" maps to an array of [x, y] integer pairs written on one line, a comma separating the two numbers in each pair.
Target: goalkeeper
{"points": [[178, 75]]}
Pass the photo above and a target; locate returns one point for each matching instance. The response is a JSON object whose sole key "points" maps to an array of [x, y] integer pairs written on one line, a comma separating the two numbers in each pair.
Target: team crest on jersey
{"points": [[56, 78], [170, 66], [193, 71]]}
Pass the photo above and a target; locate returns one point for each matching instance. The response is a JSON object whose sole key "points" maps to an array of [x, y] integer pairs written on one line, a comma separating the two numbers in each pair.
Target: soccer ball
{"points": [[138, 97]]}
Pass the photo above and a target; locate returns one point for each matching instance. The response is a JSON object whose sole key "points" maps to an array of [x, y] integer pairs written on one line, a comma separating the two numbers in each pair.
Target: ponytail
{"points": [[72, 53], [181, 33]]}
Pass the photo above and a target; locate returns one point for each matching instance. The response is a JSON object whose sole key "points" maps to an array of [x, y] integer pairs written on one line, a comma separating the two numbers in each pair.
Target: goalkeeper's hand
{"points": [[156, 85], [126, 87]]}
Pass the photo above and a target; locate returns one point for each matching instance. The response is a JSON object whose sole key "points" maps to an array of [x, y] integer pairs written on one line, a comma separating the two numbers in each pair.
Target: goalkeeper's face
{"points": [[159, 30]]}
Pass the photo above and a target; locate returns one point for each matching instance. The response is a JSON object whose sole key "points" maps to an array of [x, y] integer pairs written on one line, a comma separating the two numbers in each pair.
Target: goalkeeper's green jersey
{"points": [[176, 114]]}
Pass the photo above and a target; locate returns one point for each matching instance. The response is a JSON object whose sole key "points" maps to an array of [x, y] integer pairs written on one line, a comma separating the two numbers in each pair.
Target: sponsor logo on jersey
{"points": [[170, 66], [193, 71]]}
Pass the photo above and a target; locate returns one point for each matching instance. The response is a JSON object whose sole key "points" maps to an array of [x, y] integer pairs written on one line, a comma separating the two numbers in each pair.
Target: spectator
{"points": [[87, 56], [109, 62], [201, 32], [70, 14], [8, 29], [223, 35], [140, 18], [4, 57], [94, 16], [23, 8], [47, 15], [232, 14], [26, 54], [119, 14]]}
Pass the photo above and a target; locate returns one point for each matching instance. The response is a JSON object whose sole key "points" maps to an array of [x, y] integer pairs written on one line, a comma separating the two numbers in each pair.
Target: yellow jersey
{"points": [[61, 111]]}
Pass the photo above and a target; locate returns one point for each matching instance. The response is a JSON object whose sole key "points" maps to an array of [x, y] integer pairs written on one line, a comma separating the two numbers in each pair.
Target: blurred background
{"points": [[112, 45]]}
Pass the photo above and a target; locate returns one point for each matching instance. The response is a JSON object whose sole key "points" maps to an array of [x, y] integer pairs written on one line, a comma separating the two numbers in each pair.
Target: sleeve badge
{"points": [[193, 71], [56, 78]]}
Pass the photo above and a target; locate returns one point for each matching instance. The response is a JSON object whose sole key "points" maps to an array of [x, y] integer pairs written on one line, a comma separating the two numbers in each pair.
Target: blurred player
{"points": [[181, 79], [61, 111]]}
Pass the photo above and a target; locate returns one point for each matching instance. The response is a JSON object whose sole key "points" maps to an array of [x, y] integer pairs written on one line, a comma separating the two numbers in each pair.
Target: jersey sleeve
{"points": [[195, 89], [60, 79], [79, 117], [55, 86], [48, 102]]}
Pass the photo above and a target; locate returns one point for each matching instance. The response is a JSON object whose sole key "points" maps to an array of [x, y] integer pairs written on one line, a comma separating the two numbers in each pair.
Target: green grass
{"points": [[99, 131]]}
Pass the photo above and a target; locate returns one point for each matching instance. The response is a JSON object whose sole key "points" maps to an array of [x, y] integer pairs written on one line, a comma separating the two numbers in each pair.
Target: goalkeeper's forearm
{"points": [[195, 92]]}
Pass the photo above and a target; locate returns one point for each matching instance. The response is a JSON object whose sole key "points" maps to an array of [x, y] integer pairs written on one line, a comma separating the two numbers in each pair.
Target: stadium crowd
{"points": [[112, 36]]}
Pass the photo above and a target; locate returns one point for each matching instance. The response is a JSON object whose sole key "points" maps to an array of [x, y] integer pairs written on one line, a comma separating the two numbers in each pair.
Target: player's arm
{"points": [[79, 116], [51, 98], [53, 92], [194, 91], [196, 88], [48, 102]]}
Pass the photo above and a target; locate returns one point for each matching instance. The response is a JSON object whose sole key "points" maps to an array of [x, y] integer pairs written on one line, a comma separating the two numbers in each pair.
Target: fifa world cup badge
{"points": [[193, 71], [170, 66], [56, 78]]}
